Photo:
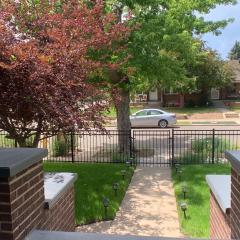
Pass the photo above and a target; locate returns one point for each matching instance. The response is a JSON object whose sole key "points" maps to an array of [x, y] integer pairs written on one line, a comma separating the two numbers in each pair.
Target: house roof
{"points": [[235, 66]]}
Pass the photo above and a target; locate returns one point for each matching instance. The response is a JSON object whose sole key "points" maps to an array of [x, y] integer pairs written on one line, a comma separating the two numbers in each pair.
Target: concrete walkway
{"points": [[148, 209]]}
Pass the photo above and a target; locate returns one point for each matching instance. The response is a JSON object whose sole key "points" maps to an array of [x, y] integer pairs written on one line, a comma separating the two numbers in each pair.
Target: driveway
{"points": [[148, 209]]}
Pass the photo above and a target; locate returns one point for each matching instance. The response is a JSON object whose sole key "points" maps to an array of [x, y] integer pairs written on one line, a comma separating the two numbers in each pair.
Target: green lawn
{"points": [[235, 109], [193, 176], [112, 112], [93, 184], [191, 110]]}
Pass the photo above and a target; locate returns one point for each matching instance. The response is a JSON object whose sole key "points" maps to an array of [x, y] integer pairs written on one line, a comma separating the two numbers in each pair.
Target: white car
{"points": [[153, 118]]}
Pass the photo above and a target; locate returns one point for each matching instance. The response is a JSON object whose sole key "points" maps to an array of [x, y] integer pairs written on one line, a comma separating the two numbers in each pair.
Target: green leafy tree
{"points": [[235, 51], [210, 72], [161, 47]]}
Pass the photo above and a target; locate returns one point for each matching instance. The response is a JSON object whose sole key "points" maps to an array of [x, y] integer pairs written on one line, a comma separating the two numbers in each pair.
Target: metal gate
{"points": [[152, 147]]}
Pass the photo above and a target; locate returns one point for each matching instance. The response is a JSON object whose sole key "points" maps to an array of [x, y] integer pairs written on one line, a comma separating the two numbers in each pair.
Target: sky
{"points": [[230, 34]]}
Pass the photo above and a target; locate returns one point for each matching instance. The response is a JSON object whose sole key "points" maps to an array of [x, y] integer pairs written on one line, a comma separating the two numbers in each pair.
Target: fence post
{"points": [[72, 146], [213, 147], [130, 141], [173, 138]]}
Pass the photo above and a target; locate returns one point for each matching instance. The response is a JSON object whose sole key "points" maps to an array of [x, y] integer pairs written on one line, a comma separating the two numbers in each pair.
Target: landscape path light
{"points": [[180, 174], [183, 206], [115, 187], [131, 159], [177, 167], [106, 205], [128, 163], [184, 190], [123, 173]]}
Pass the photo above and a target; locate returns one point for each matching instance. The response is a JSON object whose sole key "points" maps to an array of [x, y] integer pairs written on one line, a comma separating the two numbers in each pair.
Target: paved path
{"points": [[148, 209]]}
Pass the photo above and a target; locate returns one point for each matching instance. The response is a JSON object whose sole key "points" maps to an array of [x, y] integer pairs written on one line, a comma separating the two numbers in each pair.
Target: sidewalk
{"points": [[148, 209]]}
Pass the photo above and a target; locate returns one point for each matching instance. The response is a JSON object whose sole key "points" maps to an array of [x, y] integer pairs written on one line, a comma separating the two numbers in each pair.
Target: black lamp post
{"points": [[115, 187], [105, 205], [184, 209], [123, 173]]}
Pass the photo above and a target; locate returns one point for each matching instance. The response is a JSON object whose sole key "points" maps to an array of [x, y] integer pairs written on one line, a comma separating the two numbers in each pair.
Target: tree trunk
{"points": [[22, 142], [36, 139], [123, 122], [25, 142], [205, 95]]}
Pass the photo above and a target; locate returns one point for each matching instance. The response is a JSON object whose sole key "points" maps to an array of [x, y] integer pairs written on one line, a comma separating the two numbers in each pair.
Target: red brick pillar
{"points": [[220, 206], [21, 192], [234, 158], [235, 195]]}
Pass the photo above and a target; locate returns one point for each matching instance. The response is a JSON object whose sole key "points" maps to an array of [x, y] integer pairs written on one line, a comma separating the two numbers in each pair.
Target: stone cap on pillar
{"points": [[56, 185], [234, 158], [15, 160], [220, 186]]}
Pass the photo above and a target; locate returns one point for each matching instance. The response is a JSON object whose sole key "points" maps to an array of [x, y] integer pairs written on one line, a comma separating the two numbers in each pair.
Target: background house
{"points": [[166, 98], [233, 90], [170, 98]]}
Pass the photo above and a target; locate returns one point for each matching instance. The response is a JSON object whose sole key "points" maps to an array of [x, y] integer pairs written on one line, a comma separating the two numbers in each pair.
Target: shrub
{"points": [[190, 104], [119, 157], [201, 151], [61, 145], [206, 145]]}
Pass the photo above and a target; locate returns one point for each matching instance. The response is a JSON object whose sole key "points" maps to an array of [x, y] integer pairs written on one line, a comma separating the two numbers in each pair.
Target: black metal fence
{"points": [[87, 146], [203, 146], [144, 147]]}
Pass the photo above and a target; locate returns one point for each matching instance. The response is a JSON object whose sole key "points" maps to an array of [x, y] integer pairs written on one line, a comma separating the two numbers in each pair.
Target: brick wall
{"points": [[219, 221], [21, 203], [235, 204], [60, 216]]}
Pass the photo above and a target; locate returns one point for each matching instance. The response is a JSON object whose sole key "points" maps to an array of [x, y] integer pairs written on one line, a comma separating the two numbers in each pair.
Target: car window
{"points": [[154, 112], [141, 113]]}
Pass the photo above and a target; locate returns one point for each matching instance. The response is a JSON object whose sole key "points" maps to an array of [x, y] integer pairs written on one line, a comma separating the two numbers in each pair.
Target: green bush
{"points": [[190, 104], [119, 157], [61, 145], [201, 151], [206, 145]]}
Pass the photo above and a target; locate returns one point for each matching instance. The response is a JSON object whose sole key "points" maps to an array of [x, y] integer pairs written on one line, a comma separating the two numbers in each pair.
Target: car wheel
{"points": [[163, 124]]}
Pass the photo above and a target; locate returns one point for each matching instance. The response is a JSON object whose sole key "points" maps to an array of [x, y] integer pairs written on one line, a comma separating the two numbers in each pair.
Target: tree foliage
{"points": [[166, 41], [210, 71], [46, 61], [163, 45], [235, 51]]}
